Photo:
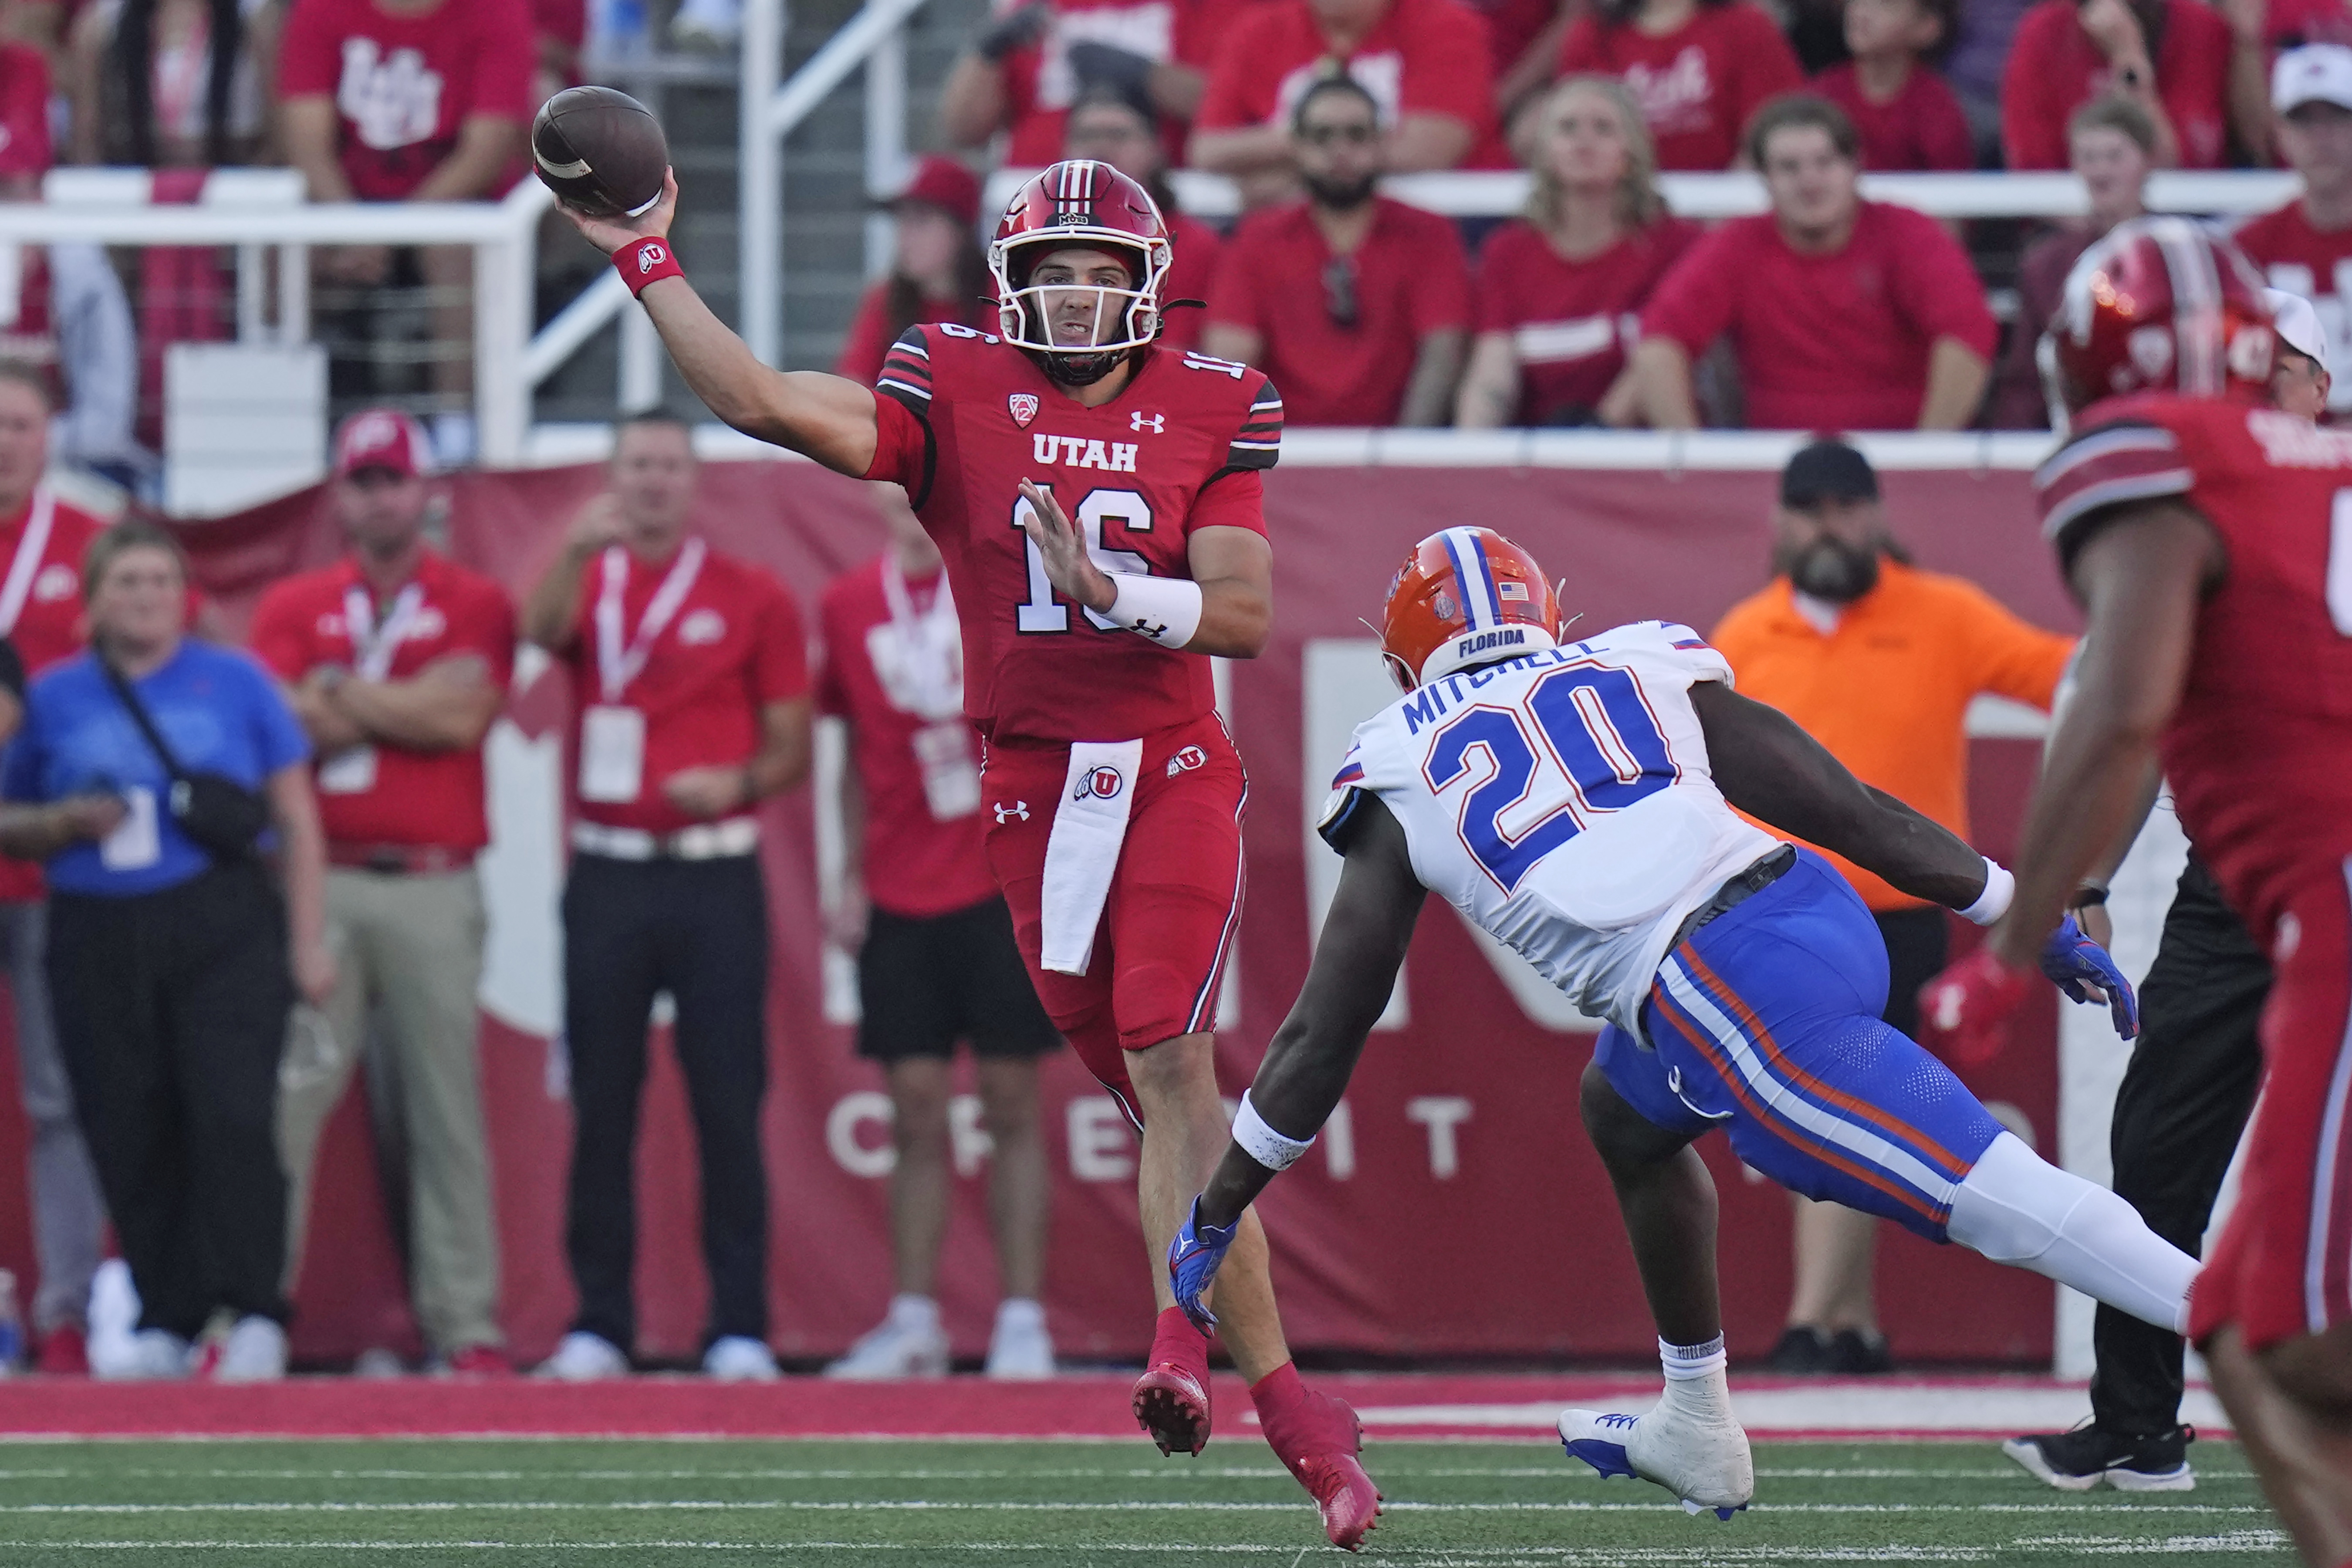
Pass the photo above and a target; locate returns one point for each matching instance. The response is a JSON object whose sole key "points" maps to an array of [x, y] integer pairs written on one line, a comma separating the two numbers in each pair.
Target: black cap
{"points": [[1827, 471]]}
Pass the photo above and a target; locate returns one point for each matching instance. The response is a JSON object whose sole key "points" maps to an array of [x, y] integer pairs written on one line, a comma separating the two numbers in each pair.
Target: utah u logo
{"points": [[1103, 783], [1023, 408], [1186, 760], [650, 257], [1139, 420]]}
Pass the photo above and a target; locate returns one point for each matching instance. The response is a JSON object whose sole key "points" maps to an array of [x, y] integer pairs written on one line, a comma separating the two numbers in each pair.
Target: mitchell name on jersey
{"points": [[1562, 801]]}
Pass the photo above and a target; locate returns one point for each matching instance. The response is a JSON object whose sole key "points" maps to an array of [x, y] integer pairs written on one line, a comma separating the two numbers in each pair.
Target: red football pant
{"points": [[2283, 1264], [1175, 900]]}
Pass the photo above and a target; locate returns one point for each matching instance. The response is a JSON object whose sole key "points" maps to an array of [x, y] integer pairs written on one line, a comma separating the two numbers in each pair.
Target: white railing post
{"points": [[760, 166], [885, 141], [503, 273], [641, 361]]}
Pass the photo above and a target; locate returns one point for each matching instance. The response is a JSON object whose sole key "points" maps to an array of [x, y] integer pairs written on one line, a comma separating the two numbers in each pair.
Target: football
{"points": [[600, 151]]}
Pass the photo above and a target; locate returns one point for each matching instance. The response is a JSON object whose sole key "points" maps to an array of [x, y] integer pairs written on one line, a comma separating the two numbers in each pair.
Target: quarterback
{"points": [[1574, 800], [1097, 501]]}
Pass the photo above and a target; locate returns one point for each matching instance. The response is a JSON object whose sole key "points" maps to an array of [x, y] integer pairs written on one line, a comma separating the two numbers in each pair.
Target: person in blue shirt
{"points": [[173, 966]]}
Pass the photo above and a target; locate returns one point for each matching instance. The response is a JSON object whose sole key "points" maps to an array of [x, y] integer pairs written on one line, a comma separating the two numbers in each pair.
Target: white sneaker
{"points": [[910, 1342], [253, 1351], [113, 1319], [583, 1357], [739, 1357], [378, 1363], [1703, 1462], [144, 1354], [1020, 1350]]}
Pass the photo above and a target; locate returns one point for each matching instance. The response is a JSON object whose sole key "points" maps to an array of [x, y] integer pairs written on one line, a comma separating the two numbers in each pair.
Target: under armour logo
{"points": [[1017, 811], [650, 257], [1139, 420], [1141, 628]]}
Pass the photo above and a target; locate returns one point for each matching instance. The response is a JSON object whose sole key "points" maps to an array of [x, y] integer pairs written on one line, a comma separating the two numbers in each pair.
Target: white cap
{"points": [[2316, 73], [2297, 321]]}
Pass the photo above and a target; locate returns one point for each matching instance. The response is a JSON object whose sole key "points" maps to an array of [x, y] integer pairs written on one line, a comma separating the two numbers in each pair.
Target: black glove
{"points": [[1016, 29], [1108, 66]]}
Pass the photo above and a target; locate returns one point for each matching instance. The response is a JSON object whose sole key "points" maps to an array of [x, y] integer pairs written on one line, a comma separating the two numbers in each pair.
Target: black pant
{"points": [[698, 929], [2184, 1101], [1919, 944], [171, 1014]]}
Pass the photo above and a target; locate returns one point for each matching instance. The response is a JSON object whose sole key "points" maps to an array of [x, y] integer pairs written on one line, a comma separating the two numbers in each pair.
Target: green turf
{"points": [[1017, 1504]]}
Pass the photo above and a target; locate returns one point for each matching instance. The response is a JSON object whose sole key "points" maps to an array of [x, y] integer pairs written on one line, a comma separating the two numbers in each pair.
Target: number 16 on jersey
{"points": [[1041, 611]]}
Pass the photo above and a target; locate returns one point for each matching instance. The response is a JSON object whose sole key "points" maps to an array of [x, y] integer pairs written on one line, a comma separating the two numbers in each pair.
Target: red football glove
{"points": [[1964, 1013]]}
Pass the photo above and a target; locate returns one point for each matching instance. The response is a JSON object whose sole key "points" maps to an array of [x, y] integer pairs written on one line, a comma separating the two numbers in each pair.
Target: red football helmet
{"points": [[2160, 304], [1465, 597], [1080, 203]]}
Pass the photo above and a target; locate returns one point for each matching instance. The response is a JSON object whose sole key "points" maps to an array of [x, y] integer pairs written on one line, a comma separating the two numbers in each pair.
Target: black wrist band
{"points": [[2086, 896]]}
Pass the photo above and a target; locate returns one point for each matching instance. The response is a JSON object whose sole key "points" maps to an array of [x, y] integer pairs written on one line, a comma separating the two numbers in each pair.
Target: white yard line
{"points": [[1844, 1406], [930, 1505]]}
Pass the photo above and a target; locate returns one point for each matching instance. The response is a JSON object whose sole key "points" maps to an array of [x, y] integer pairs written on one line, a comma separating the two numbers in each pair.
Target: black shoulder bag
{"points": [[220, 816]]}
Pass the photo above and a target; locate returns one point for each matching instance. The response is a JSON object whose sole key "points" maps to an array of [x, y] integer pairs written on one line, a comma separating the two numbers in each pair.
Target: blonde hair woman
{"points": [[1560, 289]]}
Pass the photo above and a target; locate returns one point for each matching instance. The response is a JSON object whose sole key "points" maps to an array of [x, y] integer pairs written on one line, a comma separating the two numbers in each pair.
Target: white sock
{"points": [[1019, 1314], [916, 1314], [1696, 1384], [2016, 1207]]}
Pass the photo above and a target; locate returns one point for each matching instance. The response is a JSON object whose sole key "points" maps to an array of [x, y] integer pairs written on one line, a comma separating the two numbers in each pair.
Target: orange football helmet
{"points": [[1465, 597]]}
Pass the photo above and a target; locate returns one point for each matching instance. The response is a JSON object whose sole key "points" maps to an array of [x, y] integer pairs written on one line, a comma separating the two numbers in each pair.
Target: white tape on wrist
{"points": [[1262, 1143], [1167, 610], [1994, 902]]}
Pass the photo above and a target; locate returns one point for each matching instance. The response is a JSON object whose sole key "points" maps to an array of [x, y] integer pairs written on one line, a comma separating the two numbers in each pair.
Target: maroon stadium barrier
{"points": [[1462, 1215]]}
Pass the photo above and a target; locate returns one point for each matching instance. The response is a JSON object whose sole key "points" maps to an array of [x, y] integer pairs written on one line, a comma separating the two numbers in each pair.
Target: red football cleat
{"points": [[1345, 1496], [1317, 1438], [65, 1352], [1171, 1404], [481, 1360]]}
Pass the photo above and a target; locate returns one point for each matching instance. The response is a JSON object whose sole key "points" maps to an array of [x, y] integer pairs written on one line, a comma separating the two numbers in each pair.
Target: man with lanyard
{"points": [[42, 540], [396, 659], [690, 677]]}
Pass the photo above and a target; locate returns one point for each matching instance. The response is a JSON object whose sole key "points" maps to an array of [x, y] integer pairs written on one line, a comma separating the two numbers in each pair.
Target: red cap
{"points": [[946, 185], [383, 439]]}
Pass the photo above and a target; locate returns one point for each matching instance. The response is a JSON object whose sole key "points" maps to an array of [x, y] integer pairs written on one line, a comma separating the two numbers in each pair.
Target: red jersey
{"points": [[23, 111], [1921, 130], [965, 417], [1195, 249], [386, 794], [2054, 68], [1040, 85], [2316, 264], [1422, 57], [2260, 751], [1408, 280], [728, 647], [1697, 85], [40, 611], [404, 85], [1827, 343], [869, 336], [1571, 322], [896, 673]]}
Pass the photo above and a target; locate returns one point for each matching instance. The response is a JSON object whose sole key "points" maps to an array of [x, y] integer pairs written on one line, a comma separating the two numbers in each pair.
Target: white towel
{"points": [[1082, 854]]}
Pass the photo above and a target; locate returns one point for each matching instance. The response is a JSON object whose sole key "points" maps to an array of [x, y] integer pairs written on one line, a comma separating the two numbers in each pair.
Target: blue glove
{"points": [[2075, 960], [1193, 1259]]}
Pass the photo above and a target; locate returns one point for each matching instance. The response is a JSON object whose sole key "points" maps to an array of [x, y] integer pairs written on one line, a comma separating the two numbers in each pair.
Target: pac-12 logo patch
{"points": [[1022, 406], [1103, 783], [1186, 760]]}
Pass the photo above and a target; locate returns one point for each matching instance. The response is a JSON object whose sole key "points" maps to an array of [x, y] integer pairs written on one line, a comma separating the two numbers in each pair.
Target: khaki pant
{"points": [[409, 952]]}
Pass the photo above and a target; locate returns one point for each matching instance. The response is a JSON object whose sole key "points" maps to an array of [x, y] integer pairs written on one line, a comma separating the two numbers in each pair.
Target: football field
{"points": [[1031, 1503]]}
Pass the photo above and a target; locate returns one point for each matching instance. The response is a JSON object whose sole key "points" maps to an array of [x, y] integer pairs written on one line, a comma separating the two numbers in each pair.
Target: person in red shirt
{"points": [[1699, 69], [1037, 58], [2306, 246], [1118, 129], [1845, 314], [1426, 63], [1560, 290], [689, 678], [42, 540], [937, 272], [936, 955], [410, 101], [1909, 119], [2173, 57], [396, 660], [1360, 304]]}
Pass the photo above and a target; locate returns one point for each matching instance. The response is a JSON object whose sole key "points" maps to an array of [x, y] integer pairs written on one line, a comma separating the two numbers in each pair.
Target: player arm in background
{"points": [[1313, 1055], [846, 914], [1956, 376], [1232, 566], [1768, 767], [823, 416], [550, 615], [1489, 394], [2140, 577], [487, 145]]}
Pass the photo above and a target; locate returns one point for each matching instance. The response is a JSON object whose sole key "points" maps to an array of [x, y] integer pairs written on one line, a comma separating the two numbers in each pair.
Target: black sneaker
{"points": [[1853, 1353], [2078, 1461], [1801, 1348]]}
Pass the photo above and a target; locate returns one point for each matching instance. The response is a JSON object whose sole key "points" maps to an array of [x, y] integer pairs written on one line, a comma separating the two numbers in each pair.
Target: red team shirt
{"points": [[2314, 264], [1410, 279], [1827, 343], [916, 865], [1571, 322], [2259, 756], [403, 85], [2054, 68], [421, 799], [1039, 85], [1422, 57], [49, 628], [1921, 130], [964, 418], [1697, 85], [23, 111], [734, 645]]}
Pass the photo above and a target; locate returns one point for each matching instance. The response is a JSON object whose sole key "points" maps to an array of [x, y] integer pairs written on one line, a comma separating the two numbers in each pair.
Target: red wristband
{"points": [[646, 262]]}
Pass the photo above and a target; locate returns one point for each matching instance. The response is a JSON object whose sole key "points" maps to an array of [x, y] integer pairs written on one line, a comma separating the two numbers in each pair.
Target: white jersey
{"points": [[1563, 803]]}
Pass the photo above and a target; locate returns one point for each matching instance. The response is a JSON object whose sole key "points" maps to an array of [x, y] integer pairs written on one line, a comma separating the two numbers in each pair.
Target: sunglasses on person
{"points": [[1340, 301]]}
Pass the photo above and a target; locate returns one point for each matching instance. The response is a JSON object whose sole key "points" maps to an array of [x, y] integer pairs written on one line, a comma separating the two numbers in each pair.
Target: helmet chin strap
{"points": [[1078, 369]]}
